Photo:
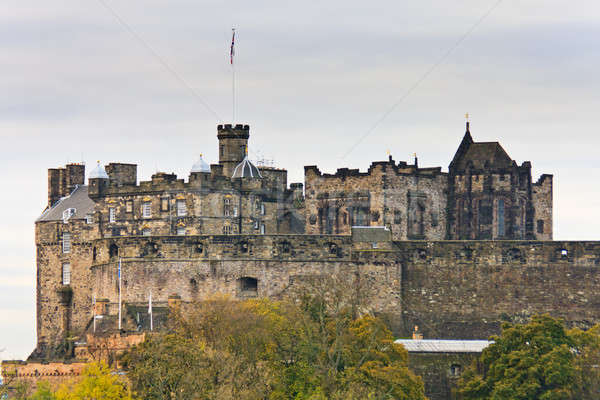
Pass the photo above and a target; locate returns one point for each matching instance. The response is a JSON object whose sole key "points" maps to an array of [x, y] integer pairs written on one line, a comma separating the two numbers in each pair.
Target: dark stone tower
{"points": [[233, 142]]}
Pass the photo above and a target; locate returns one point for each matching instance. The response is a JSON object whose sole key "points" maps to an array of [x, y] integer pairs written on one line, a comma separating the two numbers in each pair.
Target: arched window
{"points": [[113, 250]]}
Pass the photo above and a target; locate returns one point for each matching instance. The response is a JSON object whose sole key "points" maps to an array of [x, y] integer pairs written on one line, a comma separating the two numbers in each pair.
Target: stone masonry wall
{"points": [[465, 289], [410, 201]]}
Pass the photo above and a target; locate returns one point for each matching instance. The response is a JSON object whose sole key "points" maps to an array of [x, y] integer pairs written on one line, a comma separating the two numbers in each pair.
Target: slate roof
{"points": [[479, 153], [444, 346], [78, 199]]}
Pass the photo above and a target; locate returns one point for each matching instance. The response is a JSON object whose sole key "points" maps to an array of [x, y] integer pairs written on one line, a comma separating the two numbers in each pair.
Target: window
{"points": [[129, 206], [256, 225], [89, 219], [111, 215], [227, 230], [146, 209], [68, 213], [66, 242], [248, 284], [164, 204], [181, 230], [500, 215], [235, 211], [66, 274], [262, 208], [146, 232], [540, 226], [181, 208], [262, 229]]}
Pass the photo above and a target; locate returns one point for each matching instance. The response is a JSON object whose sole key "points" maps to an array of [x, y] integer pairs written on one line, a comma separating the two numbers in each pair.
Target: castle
{"points": [[455, 253]]}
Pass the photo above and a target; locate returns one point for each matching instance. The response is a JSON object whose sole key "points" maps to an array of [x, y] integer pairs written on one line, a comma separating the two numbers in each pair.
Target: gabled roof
{"points": [[78, 199]]}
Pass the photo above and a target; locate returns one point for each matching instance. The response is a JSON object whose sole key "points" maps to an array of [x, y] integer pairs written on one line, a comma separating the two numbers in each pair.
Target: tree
{"points": [[263, 349], [97, 382], [531, 361]]}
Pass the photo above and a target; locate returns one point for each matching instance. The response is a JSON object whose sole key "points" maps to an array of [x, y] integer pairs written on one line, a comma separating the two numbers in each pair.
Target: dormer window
{"points": [[111, 214], [66, 242], [146, 209], [89, 219], [68, 213]]}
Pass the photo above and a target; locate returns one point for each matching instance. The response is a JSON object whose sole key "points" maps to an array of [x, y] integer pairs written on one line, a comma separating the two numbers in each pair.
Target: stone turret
{"points": [[233, 143]]}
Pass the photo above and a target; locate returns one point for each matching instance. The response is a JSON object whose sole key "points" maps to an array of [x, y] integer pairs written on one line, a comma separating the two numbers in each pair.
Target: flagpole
{"points": [[232, 53], [119, 293], [150, 311]]}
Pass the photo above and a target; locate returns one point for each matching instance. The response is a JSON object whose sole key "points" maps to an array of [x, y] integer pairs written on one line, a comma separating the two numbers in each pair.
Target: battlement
{"points": [[230, 131], [400, 168]]}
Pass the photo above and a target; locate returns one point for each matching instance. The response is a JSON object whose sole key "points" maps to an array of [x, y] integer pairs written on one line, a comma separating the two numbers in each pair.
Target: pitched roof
{"points": [[444, 346], [78, 199], [484, 155]]}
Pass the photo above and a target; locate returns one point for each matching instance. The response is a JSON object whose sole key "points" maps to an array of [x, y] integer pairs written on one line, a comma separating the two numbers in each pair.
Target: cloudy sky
{"points": [[148, 81]]}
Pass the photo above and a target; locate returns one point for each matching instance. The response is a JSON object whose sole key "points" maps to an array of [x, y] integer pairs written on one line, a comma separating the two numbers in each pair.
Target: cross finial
{"points": [[467, 117], [388, 152]]}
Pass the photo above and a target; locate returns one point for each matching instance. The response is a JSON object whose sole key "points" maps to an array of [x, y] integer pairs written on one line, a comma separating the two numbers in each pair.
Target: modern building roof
{"points": [[201, 166], [98, 172], [246, 169], [77, 200], [444, 346]]}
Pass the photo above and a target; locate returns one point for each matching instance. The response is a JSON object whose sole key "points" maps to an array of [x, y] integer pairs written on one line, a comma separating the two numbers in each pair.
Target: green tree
{"points": [[97, 382], [531, 361]]}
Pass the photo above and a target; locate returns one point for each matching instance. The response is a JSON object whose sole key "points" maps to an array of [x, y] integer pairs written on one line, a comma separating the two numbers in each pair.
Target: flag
{"points": [[232, 51]]}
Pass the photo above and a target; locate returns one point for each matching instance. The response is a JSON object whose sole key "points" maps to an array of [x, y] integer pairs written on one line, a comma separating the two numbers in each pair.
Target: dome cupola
{"points": [[246, 169], [98, 173], [201, 166]]}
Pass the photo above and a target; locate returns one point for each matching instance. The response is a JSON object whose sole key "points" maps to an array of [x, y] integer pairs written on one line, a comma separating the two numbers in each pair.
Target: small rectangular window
{"points": [[66, 242], [181, 231], [540, 226], [181, 208], [146, 209], [164, 204], [262, 208], [111, 215], [89, 219], [66, 274], [129, 206], [256, 225], [235, 211], [146, 232], [262, 229]]}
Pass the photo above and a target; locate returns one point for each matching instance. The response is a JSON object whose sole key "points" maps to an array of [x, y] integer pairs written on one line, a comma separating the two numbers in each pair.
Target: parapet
{"points": [[230, 131]]}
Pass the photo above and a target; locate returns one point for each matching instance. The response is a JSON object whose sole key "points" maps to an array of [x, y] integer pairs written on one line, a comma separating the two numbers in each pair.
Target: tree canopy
{"points": [[263, 349], [539, 360]]}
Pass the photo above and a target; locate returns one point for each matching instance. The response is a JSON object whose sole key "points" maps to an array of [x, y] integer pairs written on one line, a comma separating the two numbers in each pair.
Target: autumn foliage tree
{"points": [[318, 347]]}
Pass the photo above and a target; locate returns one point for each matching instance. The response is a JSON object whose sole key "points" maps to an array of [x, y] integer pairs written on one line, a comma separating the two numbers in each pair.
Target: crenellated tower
{"points": [[233, 142]]}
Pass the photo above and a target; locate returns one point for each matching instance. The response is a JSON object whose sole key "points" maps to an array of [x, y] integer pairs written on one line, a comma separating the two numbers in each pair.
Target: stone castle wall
{"points": [[410, 201]]}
